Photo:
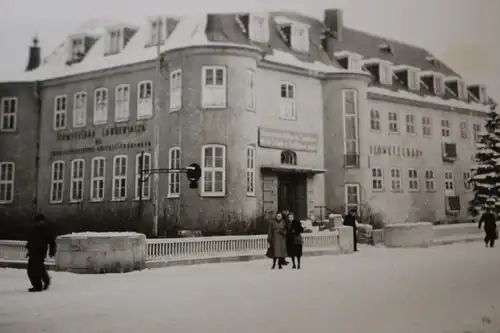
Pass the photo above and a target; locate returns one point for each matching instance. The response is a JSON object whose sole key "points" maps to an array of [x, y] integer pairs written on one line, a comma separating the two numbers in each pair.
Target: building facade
{"points": [[282, 111]]}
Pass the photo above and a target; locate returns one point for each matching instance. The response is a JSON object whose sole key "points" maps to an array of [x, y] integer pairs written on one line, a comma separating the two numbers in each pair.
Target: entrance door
{"points": [[292, 194]]}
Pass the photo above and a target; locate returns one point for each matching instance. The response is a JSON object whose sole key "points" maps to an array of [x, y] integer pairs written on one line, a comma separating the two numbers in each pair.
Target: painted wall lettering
{"points": [[101, 148], [102, 132], [279, 139], [392, 150]]}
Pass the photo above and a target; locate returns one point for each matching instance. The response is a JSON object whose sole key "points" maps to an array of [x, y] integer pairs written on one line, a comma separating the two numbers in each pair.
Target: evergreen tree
{"points": [[486, 174]]}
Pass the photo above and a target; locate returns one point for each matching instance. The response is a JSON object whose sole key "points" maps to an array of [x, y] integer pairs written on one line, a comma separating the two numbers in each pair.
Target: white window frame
{"points": [[5, 113], [413, 79], [119, 178], [250, 171], [213, 170], [396, 179], [449, 183], [77, 180], [426, 124], [176, 90], [7, 184], [462, 89], [410, 124], [464, 130], [377, 179], [122, 103], [60, 112], [158, 29], [385, 73], [98, 179], [80, 109], [250, 91], [413, 181], [445, 128], [300, 37], [146, 185], [57, 183], [115, 46], [393, 120], [288, 109], [258, 27], [430, 180], [77, 47], [348, 143], [476, 128], [439, 84], [348, 206], [467, 175], [174, 178], [375, 120], [101, 102], [144, 102], [214, 94]]}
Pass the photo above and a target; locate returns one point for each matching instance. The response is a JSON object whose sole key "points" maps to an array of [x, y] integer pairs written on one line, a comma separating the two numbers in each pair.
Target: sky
{"points": [[459, 32]]}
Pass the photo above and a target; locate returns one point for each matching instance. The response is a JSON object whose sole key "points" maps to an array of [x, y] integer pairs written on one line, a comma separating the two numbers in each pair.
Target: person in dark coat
{"points": [[276, 237], [295, 241], [350, 220], [40, 239], [490, 227]]}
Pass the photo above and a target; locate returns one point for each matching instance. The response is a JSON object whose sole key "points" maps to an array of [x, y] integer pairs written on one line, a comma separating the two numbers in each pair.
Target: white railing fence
{"points": [[197, 247]]}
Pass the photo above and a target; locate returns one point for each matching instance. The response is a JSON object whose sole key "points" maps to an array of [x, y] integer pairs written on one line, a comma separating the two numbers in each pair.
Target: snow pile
{"points": [[452, 103], [102, 234]]}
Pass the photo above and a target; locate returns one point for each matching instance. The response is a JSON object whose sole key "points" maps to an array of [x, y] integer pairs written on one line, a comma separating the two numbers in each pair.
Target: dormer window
{"points": [[380, 70], [348, 60], [117, 38], [477, 93], [433, 61], [434, 82], [255, 26], [456, 87], [158, 31], [407, 76], [77, 48], [385, 48], [295, 34]]}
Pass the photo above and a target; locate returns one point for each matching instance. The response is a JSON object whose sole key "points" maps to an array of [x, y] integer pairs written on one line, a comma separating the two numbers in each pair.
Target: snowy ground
{"points": [[452, 289]]}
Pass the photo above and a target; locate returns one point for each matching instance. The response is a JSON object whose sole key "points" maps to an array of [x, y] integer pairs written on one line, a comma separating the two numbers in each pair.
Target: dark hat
{"points": [[353, 210], [40, 217]]}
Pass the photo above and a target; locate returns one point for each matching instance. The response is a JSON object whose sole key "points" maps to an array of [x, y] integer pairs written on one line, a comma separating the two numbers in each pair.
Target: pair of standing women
{"points": [[285, 240]]}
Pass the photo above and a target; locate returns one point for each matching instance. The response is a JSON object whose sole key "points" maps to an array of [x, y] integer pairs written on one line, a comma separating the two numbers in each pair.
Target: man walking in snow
{"points": [[490, 227], [40, 239], [350, 220]]}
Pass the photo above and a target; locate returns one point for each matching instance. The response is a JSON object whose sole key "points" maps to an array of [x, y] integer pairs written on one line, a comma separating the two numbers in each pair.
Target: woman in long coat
{"points": [[276, 237], [295, 241]]}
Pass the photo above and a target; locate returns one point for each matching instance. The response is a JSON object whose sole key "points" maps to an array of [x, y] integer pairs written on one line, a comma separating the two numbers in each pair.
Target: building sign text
{"points": [[101, 148], [280, 139], [398, 151], [102, 132]]}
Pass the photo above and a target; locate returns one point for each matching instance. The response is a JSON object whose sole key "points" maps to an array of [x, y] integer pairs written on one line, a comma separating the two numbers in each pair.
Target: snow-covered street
{"points": [[452, 289]]}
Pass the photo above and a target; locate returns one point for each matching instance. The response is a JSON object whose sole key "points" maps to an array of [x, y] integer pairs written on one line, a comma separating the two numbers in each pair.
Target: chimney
{"points": [[334, 22], [34, 56]]}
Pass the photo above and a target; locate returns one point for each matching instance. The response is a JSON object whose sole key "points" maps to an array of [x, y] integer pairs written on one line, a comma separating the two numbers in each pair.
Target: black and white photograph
{"points": [[253, 166]]}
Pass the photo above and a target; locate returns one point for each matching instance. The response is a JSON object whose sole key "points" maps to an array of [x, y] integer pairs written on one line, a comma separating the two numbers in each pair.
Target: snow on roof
{"points": [[430, 99], [284, 58]]}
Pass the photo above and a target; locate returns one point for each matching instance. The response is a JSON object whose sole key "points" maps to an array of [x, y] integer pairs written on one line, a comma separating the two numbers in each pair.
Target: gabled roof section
{"points": [[369, 46]]}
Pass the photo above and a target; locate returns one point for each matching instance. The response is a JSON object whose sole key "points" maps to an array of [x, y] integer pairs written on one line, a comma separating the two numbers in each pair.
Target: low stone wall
{"points": [[97, 253], [418, 234]]}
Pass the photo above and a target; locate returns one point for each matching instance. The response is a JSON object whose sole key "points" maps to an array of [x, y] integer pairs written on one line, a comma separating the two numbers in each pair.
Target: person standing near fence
{"points": [[295, 241], [40, 239], [350, 220], [490, 227], [276, 237]]}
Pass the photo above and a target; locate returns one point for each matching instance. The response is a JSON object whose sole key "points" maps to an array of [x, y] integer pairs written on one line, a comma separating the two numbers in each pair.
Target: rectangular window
{"points": [[115, 41], [439, 85], [352, 198], [80, 109], [426, 126], [396, 179], [176, 90], [97, 179], [410, 124], [393, 122], [467, 181], [122, 102], [77, 178], [174, 178], [57, 183], [430, 180], [449, 183], [445, 128], [351, 137], [258, 30], [213, 95], [413, 180], [476, 128], [146, 185], [7, 175], [375, 120], [213, 170], [8, 120], [250, 171], [77, 48], [158, 31], [377, 179], [119, 178], [287, 101], [464, 131], [250, 92], [60, 112], [145, 100], [100, 106], [300, 37]]}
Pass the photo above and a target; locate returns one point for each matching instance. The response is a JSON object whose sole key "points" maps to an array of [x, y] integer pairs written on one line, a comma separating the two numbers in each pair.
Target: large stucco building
{"points": [[282, 111]]}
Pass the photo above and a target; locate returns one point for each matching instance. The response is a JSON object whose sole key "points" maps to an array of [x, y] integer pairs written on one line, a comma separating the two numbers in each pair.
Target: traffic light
{"points": [[193, 173]]}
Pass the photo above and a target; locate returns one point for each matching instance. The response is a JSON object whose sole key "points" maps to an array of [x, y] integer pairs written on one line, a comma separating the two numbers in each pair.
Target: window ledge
{"points": [[377, 190], [121, 120], [173, 196], [143, 199], [394, 133], [75, 201], [396, 191], [6, 202], [119, 200], [56, 202], [213, 195], [10, 131], [96, 200], [214, 107], [146, 117]]}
